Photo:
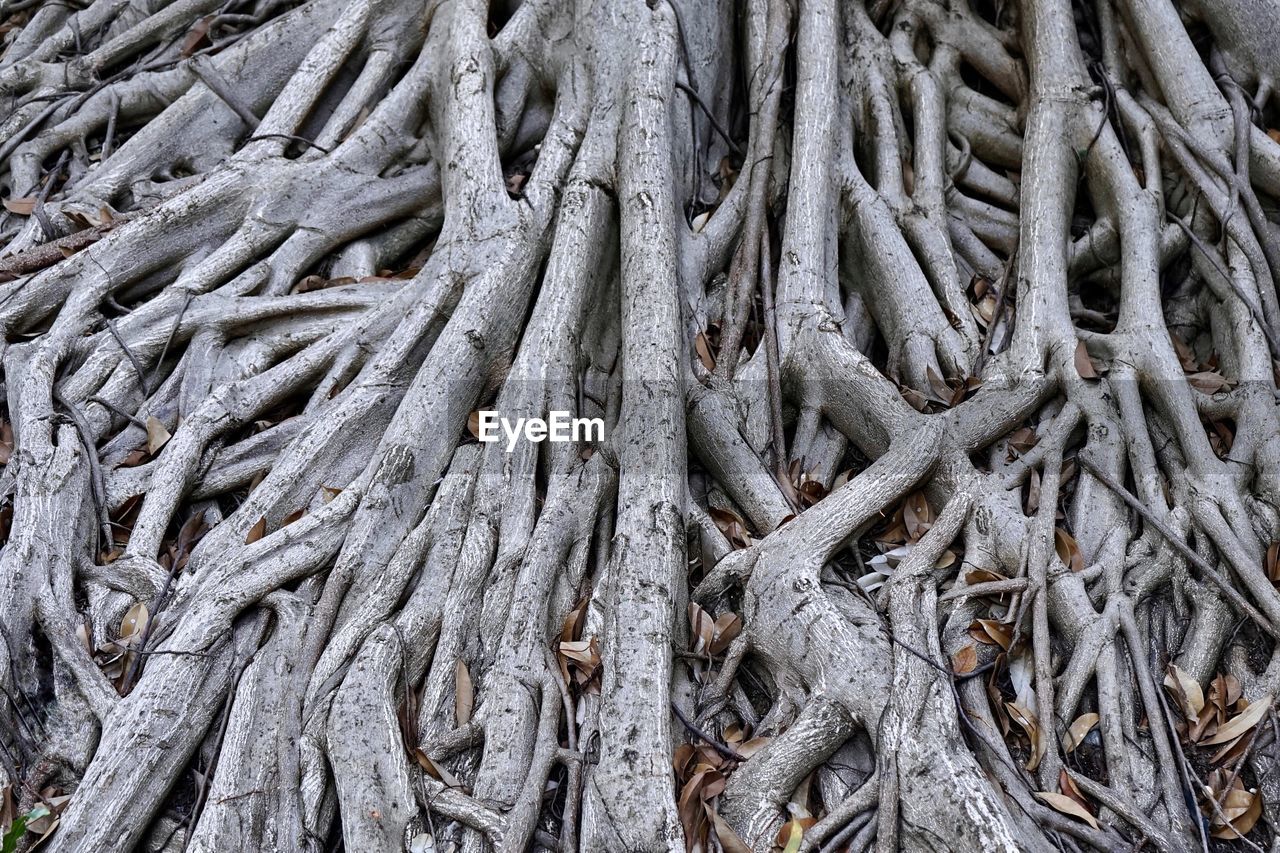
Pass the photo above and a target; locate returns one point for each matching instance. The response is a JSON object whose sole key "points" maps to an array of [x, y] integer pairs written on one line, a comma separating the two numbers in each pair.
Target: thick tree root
{"points": [[936, 348]]}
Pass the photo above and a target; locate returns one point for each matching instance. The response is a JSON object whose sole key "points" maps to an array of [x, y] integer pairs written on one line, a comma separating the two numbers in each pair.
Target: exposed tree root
{"points": [[937, 505]]}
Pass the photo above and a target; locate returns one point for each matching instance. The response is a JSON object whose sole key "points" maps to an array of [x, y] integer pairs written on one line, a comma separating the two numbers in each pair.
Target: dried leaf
{"points": [[157, 435], [464, 699], [1067, 786], [1239, 810], [1068, 551], [434, 770], [1023, 439], [6, 442], [473, 424], [703, 348], [1241, 723], [256, 532], [727, 627], [700, 221], [197, 35], [992, 633], [965, 660], [729, 840], [1079, 729], [733, 527], [792, 834], [1067, 806], [702, 628], [753, 746], [917, 516], [21, 206], [1186, 690], [1027, 720], [1084, 366], [135, 621], [1208, 381]]}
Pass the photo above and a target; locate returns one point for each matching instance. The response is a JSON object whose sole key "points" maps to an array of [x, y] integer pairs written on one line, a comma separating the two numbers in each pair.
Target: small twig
{"points": [[107, 404], [289, 136], [173, 333], [566, 699], [697, 99], [712, 742], [1181, 547], [1184, 772], [772, 360], [109, 139], [1254, 310], [128, 353], [97, 481], [1000, 287], [208, 74]]}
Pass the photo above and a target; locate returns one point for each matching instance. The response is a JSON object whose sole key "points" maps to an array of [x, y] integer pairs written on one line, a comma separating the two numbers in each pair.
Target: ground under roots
{"points": [[934, 355]]}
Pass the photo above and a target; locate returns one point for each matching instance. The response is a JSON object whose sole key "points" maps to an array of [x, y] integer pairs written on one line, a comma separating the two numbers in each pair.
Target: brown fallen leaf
{"points": [[729, 840], [703, 348], [1240, 723], [1084, 365], [992, 633], [157, 435], [1186, 690], [1068, 551], [732, 526], [1079, 729], [1067, 806], [1208, 381], [1234, 810], [6, 442], [464, 699], [197, 36], [434, 770], [21, 206], [727, 628], [256, 532], [965, 660], [135, 621], [917, 516], [1027, 721]]}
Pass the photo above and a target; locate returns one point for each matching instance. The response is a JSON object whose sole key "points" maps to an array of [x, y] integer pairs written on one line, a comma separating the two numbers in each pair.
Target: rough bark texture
{"points": [[937, 345]]}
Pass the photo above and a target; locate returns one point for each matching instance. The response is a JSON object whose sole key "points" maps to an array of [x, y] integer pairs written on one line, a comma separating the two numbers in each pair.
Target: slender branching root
{"points": [[929, 354]]}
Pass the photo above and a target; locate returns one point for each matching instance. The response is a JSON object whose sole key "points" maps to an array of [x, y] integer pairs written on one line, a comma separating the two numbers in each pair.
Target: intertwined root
{"points": [[936, 350]]}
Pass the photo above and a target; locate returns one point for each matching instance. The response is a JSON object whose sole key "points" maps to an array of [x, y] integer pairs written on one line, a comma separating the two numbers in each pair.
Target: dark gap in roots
{"points": [[288, 408], [313, 125], [994, 12], [43, 696], [500, 11], [1099, 299], [1221, 434], [1086, 21], [1176, 276], [517, 169], [551, 818]]}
